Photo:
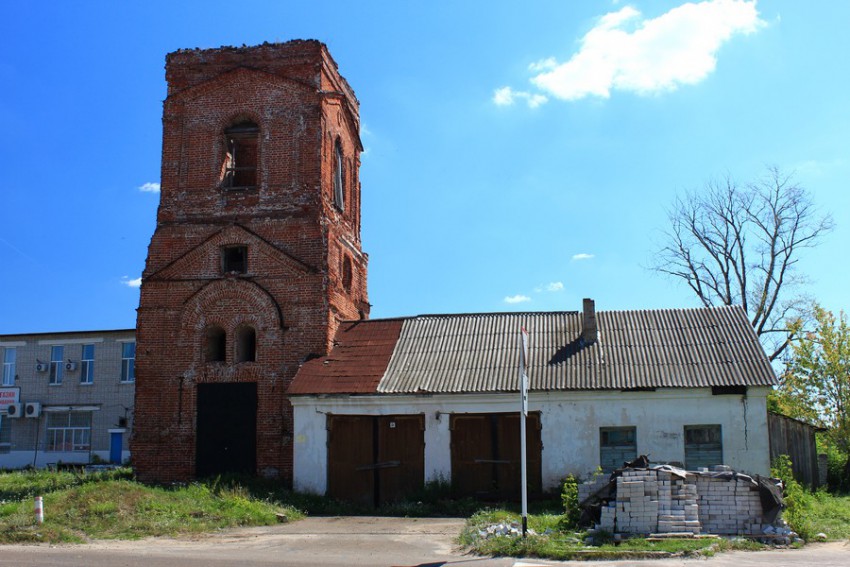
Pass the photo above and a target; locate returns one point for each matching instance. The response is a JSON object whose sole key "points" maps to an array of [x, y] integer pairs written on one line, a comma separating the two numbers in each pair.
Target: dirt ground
{"points": [[354, 542]]}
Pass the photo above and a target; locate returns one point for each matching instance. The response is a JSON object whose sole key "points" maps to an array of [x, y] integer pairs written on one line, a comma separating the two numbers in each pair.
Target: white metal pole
{"points": [[523, 381]]}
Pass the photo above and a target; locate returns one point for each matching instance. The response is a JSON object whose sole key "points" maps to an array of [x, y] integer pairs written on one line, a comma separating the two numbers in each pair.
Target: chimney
{"points": [[589, 330]]}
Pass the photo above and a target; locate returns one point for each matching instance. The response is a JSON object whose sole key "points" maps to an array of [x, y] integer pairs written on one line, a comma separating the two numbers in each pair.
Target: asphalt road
{"points": [[354, 542]]}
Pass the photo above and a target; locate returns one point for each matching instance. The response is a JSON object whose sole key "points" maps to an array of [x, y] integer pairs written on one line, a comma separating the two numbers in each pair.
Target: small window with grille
{"points": [[703, 446], [617, 445]]}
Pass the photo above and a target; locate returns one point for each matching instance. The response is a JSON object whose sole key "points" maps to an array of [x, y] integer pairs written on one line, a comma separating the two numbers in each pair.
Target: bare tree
{"points": [[739, 245]]}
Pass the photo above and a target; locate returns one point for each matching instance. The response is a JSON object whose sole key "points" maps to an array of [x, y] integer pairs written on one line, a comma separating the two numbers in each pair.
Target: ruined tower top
{"points": [[305, 61]]}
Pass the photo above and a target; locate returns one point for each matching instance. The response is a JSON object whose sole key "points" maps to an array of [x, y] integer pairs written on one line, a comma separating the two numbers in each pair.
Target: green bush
{"points": [[569, 498], [798, 500], [837, 477]]}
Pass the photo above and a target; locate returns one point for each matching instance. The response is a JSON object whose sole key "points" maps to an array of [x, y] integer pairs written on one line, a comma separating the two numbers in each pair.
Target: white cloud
{"points": [[149, 187], [131, 283], [551, 286], [506, 96], [582, 256], [543, 65], [628, 52], [517, 299]]}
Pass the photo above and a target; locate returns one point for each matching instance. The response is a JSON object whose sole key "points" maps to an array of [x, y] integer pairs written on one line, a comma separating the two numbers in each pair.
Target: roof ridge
{"points": [[532, 313]]}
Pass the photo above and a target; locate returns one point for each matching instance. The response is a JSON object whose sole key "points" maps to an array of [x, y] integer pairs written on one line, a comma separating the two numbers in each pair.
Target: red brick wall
{"points": [[297, 240]]}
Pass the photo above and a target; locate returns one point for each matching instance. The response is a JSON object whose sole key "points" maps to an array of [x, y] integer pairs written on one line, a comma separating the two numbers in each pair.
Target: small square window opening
{"points": [[234, 259]]}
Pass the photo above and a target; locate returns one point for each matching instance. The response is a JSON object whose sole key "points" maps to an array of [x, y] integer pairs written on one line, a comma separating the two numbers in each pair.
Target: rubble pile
{"points": [[502, 529]]}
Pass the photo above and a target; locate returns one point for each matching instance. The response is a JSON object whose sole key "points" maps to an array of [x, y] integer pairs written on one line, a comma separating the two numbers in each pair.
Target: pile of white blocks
{"points": [[678, 503], [657, 501], [729, 507], [585, 489], [637, 501]]}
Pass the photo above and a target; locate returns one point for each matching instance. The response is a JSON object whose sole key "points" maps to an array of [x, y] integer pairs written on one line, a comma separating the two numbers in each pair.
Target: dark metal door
{"points": [[226, 429]]}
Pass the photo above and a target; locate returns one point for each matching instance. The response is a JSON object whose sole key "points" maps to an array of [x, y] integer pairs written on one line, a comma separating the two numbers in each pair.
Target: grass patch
{"points": [[825, 513], [551, 542], [108, 506], [810, 513], [18, 485]]}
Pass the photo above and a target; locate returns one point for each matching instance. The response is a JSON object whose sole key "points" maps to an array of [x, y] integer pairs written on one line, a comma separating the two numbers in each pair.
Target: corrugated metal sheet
{"points": [[636, 349], [355, 365]]}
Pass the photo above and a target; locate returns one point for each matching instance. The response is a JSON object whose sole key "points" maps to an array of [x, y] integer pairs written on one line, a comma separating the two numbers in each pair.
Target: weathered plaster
{"points": [[570, 422]]}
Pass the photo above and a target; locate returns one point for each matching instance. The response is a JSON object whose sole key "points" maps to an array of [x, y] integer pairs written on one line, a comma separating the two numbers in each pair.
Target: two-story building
{"points": [[66, 397]]}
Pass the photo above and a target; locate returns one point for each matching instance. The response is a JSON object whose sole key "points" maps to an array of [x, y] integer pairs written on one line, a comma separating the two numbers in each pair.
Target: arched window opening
{"points": [[246, 345], [346, 274], [339, 178], [241, 156], [216, 344]]}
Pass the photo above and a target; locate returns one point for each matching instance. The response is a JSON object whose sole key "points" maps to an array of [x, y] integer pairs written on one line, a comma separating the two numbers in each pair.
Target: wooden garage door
{"points": [[486, 455], [375, 459]]}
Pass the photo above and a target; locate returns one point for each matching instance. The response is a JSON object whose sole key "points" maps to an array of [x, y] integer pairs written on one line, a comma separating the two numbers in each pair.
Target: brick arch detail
{"points": [[230, 304], [241, 116]]}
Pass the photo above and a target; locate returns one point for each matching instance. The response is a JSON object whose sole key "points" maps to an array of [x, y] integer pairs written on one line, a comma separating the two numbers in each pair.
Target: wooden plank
{"points": [[471, 434], [401, 441], [350, 448]]}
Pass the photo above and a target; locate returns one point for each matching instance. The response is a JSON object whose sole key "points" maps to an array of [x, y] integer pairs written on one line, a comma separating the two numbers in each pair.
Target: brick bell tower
{"points": [[255, 260]]}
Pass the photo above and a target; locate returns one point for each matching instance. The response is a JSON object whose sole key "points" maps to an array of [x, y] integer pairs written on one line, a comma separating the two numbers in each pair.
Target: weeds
{"points": [[105, 506]]}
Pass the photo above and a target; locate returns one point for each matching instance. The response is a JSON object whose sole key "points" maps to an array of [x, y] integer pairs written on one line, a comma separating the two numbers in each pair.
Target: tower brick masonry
{"points": [[255, 259]]}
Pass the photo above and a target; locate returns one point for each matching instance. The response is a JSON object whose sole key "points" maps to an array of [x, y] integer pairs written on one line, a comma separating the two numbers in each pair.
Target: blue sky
{"points": [[519, 156]]}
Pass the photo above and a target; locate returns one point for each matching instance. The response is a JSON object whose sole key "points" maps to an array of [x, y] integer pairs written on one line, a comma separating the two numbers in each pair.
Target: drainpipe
{"points": [[35, 450]]}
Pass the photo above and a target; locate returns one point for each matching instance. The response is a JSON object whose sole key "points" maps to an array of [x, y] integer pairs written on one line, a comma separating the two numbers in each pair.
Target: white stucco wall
{"points": [[570, 427]]}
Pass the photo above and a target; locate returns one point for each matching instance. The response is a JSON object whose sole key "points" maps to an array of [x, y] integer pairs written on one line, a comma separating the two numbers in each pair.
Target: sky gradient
{"points": [[516, 157]]}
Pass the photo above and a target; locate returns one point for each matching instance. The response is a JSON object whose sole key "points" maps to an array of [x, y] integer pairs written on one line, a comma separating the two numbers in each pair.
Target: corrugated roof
{"points": [[361, 352], [636, 349]]}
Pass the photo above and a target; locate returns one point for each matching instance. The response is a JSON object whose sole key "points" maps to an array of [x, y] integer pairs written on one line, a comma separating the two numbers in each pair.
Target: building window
{"points": [[57, 364], [246, 344], [617, 445], [339, 177], [216, 344], [68, 431], [5, 434], [241, 156], [9, 355], [234, 259], [128, 362], [703, 446], [346, 274], [87, 364]]}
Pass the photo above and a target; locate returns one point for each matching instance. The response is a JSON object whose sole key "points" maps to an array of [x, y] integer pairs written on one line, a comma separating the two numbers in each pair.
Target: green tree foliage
{"points": [[797, 500], [816, 384]]}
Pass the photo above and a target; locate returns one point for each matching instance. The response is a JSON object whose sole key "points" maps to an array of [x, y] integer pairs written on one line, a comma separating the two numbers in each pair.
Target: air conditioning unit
{"points": [[14, 410], [32, 409], [70, 366], [41, 367]]}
